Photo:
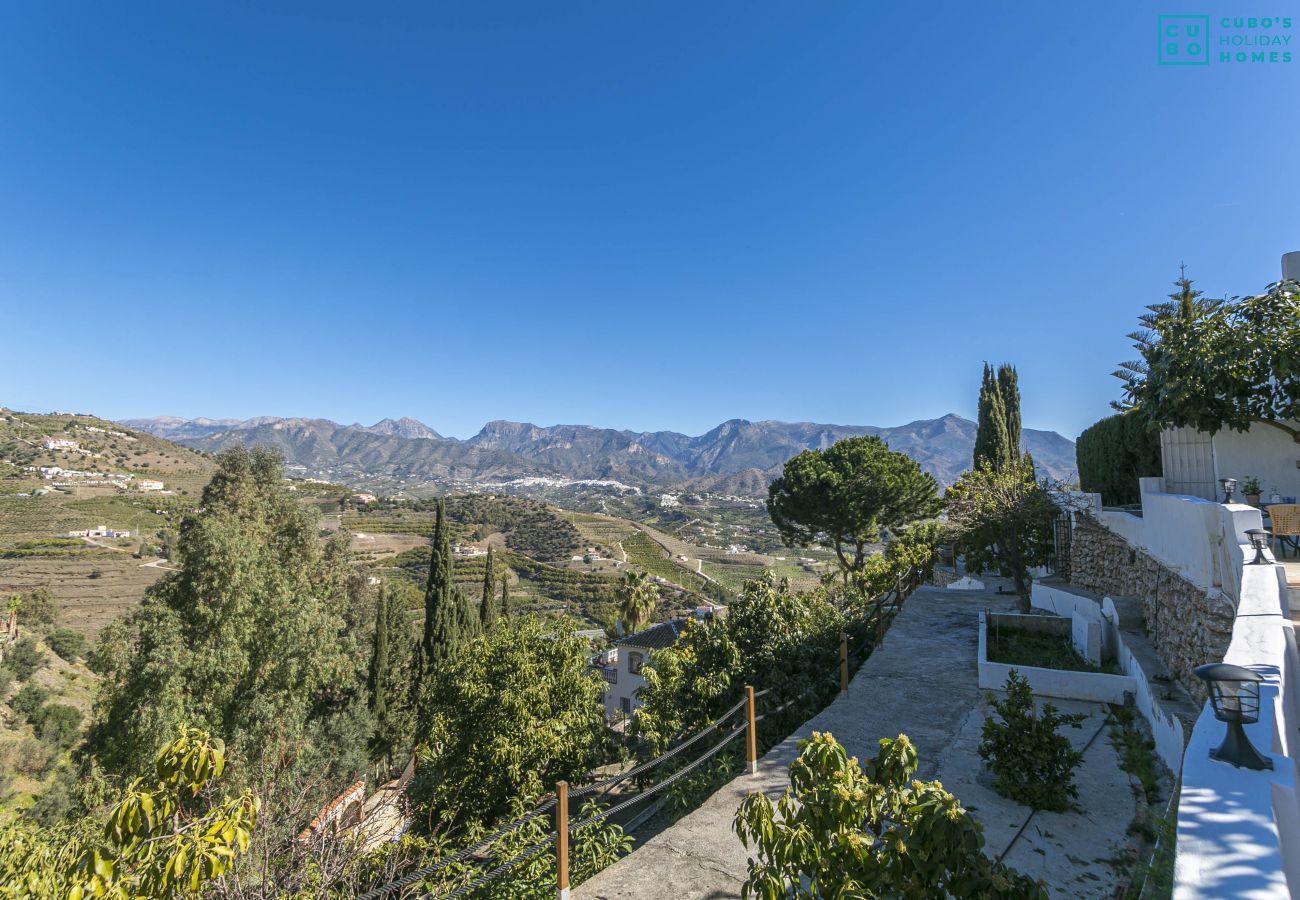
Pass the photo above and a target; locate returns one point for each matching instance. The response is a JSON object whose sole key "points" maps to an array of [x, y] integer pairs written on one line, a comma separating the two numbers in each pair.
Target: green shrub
{"points": [[25, 658], [1113, 454], [28, 701], [69, 644], [6, 678], [1031, 763], [59, 724], [37, 608]]}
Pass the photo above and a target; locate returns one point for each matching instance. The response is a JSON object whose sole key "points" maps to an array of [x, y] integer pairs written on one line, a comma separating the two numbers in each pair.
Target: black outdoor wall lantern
{"points": [[1234, 691], [1228, 485], [1259, 540]]}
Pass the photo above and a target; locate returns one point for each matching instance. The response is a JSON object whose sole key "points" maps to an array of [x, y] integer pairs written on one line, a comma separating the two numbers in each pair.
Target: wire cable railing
{"points": [[873, 623]]}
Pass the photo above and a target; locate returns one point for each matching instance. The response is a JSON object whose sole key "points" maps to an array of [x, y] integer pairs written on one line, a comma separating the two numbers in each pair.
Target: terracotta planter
{"points": [[1252, 499]]}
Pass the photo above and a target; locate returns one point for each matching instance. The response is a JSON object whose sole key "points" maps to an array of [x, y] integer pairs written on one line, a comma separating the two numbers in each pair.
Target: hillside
{"points": [[738, 456]]}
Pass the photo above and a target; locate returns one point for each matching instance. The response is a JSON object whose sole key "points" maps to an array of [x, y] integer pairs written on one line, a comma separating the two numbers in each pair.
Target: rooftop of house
{"points": [[656, 637]]}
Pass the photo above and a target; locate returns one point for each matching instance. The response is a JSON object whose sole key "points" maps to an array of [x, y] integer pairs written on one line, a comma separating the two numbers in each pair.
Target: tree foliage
{"points": [[769, 638], [638, 598], [1114, 453], [1032, 763], [843, 830], [167, 838], [253, 638], [515, 712], [846, 494], [993, 447], [443, 618], [488, 610], [1009, 389], [1216, 364], [1004, 520]]}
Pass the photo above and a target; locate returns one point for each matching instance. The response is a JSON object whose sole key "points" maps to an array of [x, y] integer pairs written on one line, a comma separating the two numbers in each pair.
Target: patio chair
{"points": [[1286, 524]]}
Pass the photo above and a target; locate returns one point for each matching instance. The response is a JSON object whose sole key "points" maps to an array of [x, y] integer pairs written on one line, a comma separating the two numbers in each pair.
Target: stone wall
{"points": [[1187, 625]]}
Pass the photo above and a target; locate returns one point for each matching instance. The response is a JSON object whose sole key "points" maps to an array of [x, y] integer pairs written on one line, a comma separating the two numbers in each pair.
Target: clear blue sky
{"points": [[641, 215]]}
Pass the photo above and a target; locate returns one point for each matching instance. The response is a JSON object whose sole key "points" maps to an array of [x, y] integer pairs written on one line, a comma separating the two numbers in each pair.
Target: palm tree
{"points": [[638, 598]]}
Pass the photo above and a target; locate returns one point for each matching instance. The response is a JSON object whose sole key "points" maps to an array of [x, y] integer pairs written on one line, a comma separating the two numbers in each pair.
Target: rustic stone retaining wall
{"points": [[1186, 624]]}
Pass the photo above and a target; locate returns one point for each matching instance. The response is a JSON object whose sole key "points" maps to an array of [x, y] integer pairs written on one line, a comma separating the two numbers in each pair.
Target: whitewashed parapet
{"points": [[1239, 830]]}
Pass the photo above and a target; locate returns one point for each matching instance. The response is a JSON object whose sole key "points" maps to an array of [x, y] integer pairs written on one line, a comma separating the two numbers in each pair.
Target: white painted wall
{"points": [[1166, 730], [1265, 452], [1238, 830], [627, 683]]}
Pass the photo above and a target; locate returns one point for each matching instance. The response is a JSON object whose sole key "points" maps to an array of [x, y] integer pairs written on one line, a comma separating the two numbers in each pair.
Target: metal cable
{"points": [[604, 786], [498, 871], [680, 773], [412, 877]]}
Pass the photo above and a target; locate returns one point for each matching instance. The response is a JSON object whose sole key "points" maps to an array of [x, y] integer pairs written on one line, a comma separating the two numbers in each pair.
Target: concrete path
{"points": [[922, 682]]}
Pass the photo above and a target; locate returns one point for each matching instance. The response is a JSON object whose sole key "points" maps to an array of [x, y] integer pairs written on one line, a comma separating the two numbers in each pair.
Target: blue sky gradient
{"points": [[633, 215]]}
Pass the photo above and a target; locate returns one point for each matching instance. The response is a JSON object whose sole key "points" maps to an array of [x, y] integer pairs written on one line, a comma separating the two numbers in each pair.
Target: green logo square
{"points": [[1183, 40]]}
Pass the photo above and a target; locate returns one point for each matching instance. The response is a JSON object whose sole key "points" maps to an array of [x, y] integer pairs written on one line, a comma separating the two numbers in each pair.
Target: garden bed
{"points": [[1044, 650]]}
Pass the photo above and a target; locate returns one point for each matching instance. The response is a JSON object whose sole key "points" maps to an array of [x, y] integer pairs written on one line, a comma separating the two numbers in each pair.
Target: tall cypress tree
{"points": [[442, 615], [505, 600], [379, 664], [488, 608], [1009, 388], [992, 443]]}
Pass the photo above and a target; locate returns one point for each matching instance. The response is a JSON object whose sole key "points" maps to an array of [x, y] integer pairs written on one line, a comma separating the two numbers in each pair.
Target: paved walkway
{"points": [[921, 681]]}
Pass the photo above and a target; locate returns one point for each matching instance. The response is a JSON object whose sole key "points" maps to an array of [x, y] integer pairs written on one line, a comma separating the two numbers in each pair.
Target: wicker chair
{"points": [[1286, 524]]}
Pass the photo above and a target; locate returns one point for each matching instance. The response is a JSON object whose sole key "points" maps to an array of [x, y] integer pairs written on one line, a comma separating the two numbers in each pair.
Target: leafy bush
{"points": [[1113, 454], [34, 758], [25, 658], [6, 678], [59, 724], [1031, 763], [69, 644], [29, 700], [37, 608], [844, 830]]}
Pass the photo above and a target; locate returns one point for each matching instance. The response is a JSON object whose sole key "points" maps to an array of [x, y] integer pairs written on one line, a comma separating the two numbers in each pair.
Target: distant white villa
{"points": [[102, 531], [60, 444]]}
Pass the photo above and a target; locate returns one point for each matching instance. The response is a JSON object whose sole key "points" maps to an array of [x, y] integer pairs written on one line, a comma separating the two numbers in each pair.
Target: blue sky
{"points": [[648, 216]]}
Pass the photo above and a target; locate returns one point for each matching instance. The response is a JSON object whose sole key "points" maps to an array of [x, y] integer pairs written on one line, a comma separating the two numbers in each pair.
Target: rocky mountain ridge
{"points": [[738, 456]]}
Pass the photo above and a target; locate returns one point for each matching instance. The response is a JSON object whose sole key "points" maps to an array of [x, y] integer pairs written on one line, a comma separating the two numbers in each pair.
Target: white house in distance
{"points": [[621, 665], [148, 484], [102, 531], [60, 444]]}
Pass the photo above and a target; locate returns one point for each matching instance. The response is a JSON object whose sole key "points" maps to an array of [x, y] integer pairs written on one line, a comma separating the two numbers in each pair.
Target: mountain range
{"points": [[737, 457]]}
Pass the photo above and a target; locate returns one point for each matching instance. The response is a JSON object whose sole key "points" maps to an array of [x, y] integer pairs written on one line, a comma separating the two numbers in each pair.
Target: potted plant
{"points": [[1251, 489]]}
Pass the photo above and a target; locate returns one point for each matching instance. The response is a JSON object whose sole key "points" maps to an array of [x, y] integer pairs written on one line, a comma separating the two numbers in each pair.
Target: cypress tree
{"points": [[991, 439], [379, 664], [505, 600], [442, 615], [467, 615], [488, 608], [1009, 388]]}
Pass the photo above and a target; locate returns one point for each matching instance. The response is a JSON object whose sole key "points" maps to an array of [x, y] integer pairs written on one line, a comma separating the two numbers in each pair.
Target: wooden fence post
{"points": [[562, 839], [751, 736], [844, 663]]}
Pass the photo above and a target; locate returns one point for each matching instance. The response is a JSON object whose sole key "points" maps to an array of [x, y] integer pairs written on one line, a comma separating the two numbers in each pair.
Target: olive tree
{"points": [[1004, 519]]}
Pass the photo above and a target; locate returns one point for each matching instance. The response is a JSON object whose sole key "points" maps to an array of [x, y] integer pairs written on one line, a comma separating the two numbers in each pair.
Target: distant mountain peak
{"points": [[405, 427]]}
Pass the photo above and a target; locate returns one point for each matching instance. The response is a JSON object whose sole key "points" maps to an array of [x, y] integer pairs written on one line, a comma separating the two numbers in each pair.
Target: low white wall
{"points": [[1062, 602], [1239, 830], [1095, 686], [1166, 730]]}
